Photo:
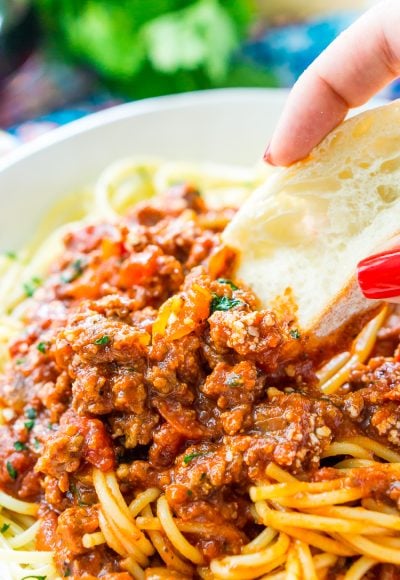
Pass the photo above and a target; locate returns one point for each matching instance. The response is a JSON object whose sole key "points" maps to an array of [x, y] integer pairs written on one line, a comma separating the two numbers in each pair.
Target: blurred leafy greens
{"points": [[148, 47]]}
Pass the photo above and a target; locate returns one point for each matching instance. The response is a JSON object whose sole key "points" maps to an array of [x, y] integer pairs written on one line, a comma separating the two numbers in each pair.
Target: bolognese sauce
{"points": [[142, 357]]}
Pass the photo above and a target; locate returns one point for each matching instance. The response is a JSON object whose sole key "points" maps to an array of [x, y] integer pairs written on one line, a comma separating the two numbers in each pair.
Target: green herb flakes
{"points": [[73, 489], [188, 458], [4, 528], [234, 380], [19, 446], [11, 255], [42, 347], [223, 303], [31, 286], [73, 272], [103, 340], [31, 413], [30, 424], [12, 472], [229, 282], [294, 333]]}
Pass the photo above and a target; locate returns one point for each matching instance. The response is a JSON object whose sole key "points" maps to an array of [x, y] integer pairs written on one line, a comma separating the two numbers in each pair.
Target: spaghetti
{"points": [[149, 427]]}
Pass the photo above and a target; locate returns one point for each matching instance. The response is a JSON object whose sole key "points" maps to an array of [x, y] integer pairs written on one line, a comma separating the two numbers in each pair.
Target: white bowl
{"points": [[228, 126]]}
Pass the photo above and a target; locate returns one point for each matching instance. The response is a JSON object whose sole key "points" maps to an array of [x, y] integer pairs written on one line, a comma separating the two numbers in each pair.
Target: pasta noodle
{"points": [[360, 568], [362, 348]]}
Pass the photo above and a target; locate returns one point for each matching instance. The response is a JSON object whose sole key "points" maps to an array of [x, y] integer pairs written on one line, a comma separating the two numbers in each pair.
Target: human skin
{"points": [[360, 62]]}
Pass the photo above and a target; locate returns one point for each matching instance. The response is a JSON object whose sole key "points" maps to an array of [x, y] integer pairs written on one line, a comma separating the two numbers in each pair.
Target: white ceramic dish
{"points": [[227, 126]]}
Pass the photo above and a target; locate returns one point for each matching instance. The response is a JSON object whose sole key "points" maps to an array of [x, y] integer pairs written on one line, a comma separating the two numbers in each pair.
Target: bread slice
{"points": [[303, 232]]}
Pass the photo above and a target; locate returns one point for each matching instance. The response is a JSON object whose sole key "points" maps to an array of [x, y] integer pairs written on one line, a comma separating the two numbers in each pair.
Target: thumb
{"points": [[361, 61]]}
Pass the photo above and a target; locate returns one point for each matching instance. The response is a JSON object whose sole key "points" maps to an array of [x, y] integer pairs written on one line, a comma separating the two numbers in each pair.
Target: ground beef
{"points": [[374, 400]]}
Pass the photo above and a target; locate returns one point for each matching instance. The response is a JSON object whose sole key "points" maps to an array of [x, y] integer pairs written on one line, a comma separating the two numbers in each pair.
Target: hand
{"points": [[360, 62]]}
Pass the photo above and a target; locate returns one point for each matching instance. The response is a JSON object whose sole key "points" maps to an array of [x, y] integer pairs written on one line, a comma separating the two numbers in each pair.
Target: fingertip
{"points": [[268, 157], [281, 158]]}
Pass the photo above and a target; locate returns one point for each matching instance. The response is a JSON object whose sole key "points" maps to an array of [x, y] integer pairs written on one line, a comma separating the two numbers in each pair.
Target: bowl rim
{"points": [[136, 108]]}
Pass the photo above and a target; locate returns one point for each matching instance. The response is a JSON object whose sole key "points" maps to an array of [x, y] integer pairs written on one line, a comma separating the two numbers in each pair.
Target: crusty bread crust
{"points": [[340, 323]]}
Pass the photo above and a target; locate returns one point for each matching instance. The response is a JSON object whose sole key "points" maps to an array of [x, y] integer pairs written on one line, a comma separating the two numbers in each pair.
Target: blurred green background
{"points": [[145, 48], [57, 53]]}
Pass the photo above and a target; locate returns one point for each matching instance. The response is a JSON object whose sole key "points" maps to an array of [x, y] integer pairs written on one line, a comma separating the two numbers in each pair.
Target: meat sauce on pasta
{"points": [[154, 414]]}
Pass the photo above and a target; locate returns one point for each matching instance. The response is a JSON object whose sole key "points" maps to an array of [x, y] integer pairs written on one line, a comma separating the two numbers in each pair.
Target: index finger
{"points": [[361, 61]]}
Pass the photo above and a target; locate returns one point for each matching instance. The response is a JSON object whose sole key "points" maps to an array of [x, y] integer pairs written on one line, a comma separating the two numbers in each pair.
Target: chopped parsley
{"points": [[36, 443], [20, 361], [72, 272], [73, 489], [223, 303], [229, 282], [77, 495], [12, 472], [188, 458], [234, 380], [42, 347], [11, 255], [189, 493], [4, 528], [19, 446], [31, 413], [31, 286], [294, 333], [103, 340], [30, 424], [37, 577], [67, 573]]}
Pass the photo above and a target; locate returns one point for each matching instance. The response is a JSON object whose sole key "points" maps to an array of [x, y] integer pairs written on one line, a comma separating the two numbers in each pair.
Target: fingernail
{"points": [[379, 275], [267, 156]]}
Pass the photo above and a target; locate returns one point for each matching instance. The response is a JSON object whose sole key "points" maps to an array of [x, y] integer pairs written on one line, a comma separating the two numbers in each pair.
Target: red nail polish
{"points": [[267, 156], [379, 275]]}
